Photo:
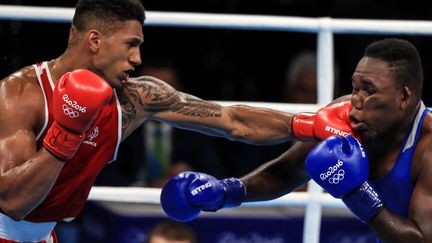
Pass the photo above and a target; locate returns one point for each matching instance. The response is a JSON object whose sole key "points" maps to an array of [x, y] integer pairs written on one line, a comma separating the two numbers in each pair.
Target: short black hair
{"points": [[105, 14], [404, 57]]}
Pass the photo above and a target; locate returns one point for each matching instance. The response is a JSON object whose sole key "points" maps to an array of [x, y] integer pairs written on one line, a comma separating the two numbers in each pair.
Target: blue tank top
{"points": [[396, 187]]}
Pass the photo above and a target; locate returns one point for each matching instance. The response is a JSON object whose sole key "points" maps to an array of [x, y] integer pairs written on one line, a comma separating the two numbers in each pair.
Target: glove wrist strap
{"points": [[235, 192], [364, 202], [62, 143]]}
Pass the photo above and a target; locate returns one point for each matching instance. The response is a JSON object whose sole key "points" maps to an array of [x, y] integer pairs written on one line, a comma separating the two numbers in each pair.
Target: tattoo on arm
{"points": [[149, 94], [128, 111], [193, 106]]}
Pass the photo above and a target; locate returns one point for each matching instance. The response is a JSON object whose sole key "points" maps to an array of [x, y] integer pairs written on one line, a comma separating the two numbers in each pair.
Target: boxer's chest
{"points": [[380, 166]]}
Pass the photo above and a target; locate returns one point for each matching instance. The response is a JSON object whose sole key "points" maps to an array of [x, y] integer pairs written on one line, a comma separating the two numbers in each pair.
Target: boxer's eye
{"points": [[370, 89], [134, 43]]}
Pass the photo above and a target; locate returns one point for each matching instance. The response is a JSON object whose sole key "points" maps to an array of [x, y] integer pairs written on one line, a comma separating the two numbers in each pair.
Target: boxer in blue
{"points": [[385, 180]]}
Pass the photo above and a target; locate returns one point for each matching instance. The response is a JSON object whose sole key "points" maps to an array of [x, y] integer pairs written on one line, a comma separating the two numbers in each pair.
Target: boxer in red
{"points": [[61, 121]]}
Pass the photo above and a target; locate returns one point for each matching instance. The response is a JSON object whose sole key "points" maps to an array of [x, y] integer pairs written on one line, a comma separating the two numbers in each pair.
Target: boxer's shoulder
{"points": [[424, 144], [20, 93], [22, 81], [148, 93], [423, 152]]}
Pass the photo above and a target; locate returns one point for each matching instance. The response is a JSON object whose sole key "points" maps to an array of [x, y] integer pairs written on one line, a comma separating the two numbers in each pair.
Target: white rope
{"points": [[36, 14], [236, 21], [151, 195], [125, 194]]}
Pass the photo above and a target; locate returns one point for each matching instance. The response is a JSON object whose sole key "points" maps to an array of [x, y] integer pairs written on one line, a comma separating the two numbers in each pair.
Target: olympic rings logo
{"points": [[69, 111], [74, 104], [336, 178], [331, 170]]}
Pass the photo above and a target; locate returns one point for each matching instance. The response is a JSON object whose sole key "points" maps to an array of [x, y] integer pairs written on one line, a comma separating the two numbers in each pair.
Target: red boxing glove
{"points": [[328, 121], [78, 96]]}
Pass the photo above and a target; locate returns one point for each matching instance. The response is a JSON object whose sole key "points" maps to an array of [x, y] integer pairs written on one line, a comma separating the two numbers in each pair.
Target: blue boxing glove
{"points": [[186, 194], [340, 166]]}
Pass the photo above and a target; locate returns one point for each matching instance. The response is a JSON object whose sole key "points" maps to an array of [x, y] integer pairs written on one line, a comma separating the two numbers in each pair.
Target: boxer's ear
{"points": [[406, 96], [94, 38]]}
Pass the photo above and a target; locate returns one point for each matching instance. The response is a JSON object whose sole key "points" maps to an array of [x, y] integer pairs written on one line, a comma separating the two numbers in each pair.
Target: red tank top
{"points": [[71, 190]]}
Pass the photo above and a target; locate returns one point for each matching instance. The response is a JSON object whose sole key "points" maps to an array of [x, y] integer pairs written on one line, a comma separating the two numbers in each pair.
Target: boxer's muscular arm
{"points": [[418, 228], [150, 98], [183, 200], [279, 176], [26, 175]]}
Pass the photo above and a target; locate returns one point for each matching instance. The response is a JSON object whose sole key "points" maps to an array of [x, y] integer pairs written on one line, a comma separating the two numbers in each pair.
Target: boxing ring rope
{"points": [[314, 199]]}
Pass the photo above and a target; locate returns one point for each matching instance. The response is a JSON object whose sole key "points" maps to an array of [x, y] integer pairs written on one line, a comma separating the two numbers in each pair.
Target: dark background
{"points": [[227, 64]]}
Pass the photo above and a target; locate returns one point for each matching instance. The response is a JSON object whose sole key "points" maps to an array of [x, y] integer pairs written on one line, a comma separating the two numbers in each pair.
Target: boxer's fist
{"points": [[186, 194], [174, 199], [328, 121], [77, 98], [340, 166]]}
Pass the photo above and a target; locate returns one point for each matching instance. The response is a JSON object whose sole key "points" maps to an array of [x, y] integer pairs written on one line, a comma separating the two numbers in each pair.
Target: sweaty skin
{"points": [[24, 185], [150, 98]]}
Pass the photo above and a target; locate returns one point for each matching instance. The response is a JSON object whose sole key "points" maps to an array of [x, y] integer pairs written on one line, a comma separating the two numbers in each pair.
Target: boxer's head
{"points": [[106, 15], [403, 59], [387, 86], [107, 35]]}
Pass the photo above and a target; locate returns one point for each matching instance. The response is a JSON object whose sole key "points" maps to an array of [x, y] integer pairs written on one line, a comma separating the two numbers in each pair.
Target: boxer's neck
{"points": [[65, 63]]}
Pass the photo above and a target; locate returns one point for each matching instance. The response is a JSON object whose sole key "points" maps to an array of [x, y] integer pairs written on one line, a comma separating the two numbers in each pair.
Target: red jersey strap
{"points": [[47, 85]]}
